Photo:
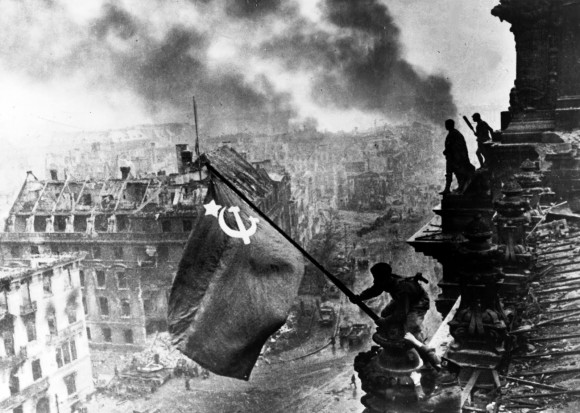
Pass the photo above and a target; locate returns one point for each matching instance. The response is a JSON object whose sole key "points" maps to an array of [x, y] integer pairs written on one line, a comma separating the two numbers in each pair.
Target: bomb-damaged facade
{"points": [[133, 231], [44, 352], [100, 155]]}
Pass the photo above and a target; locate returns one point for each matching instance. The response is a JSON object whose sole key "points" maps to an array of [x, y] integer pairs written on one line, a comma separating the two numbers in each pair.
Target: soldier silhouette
{"points": [[483, 133], [409, 302], [457, 159]]}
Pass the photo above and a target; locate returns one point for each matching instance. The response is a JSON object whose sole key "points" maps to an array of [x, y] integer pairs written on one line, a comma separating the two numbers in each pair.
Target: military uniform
{"points": [[457, 159], [408, 298], [482, 131]]}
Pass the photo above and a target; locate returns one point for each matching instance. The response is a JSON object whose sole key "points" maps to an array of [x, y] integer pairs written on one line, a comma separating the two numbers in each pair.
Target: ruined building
{"points": [[44, 352], [101, 154], [133, 231], [486, 238]]}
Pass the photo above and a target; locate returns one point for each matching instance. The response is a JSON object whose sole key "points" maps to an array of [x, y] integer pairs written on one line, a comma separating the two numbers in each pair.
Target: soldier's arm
{"points": [[371, 292], [428, 354]]}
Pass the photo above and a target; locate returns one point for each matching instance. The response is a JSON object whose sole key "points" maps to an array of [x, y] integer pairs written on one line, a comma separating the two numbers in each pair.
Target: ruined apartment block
{"points": [[133, 231], [44, 352]]}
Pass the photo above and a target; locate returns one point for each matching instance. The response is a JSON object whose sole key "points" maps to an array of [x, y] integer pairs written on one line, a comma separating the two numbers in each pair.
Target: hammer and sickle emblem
{"points": [[242, 232]]}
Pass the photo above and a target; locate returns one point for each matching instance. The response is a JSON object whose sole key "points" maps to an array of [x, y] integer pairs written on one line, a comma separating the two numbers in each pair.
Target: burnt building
{"points": [[133, 232], [367, 191], [482, 237], [44, 352], [101, 154]]}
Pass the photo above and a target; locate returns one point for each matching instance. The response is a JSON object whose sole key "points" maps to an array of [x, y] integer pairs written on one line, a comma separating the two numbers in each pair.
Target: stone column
{"points": [[478, 328], [533, 183], [386, 372], [511, 221]]}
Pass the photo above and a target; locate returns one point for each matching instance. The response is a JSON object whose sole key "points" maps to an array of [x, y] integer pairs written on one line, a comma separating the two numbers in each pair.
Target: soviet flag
{"points": [[234, 286]]}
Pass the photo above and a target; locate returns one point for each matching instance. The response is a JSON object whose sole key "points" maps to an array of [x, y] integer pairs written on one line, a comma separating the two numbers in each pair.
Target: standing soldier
{"points": [[483, 133], [457, 159]]}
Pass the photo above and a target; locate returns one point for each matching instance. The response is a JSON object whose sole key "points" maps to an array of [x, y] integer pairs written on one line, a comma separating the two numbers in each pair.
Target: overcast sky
{"points": [[69, 65]]}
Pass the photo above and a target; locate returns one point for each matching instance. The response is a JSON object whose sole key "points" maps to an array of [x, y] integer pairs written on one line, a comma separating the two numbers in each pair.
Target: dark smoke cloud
{"points": [[361, 66], [166, 73], [115, 21], [366, 15], [158, 57], [252, 8]]}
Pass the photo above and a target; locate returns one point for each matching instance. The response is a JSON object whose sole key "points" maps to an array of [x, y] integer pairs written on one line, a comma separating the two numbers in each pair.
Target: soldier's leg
{"points": [[460, 181], [463, 176], [480, 154], [448, 179], [485, 151]]}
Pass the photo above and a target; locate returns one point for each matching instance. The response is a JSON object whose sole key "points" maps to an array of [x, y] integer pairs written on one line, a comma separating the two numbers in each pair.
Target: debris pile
{"points": [[160, 348], [150, 368], [544, 371]]}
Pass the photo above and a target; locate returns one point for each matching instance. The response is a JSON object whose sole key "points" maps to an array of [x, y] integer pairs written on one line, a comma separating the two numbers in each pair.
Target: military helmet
{"points": [[381, 269]]}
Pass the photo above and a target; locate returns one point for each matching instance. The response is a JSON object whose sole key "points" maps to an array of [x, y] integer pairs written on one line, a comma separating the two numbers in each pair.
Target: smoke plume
{"points": [[253, 65], [360, 65]]}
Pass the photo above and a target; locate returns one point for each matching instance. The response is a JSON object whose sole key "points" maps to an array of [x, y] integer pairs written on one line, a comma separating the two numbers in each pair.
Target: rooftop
{"points": [[152, 195], [20, 268], [546, 369]]}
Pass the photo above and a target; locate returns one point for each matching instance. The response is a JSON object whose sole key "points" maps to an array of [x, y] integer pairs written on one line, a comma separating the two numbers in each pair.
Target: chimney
{"points": [[54, 175], [179, 148], [125, 172], [186, 159]]}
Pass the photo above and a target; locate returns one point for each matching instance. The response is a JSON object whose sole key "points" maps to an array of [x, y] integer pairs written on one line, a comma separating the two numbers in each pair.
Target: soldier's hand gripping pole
{"points": [[339, 284]]}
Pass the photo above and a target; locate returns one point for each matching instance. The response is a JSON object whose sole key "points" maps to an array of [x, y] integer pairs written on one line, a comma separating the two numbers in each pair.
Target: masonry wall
{"points": [[57, 348]]}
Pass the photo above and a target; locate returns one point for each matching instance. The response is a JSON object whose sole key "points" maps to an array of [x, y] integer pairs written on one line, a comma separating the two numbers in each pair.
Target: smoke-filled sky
{"points": [[69, 65]]}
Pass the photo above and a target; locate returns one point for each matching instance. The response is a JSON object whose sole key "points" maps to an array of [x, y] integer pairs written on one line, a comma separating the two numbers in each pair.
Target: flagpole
{"points": [[196, 132], [339, 284], [196, 128]]}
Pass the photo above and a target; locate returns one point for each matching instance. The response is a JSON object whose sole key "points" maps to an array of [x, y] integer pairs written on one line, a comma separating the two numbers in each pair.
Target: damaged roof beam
{"points": [[80, 195], [120, 194], [60, 195], [39, 198]]}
